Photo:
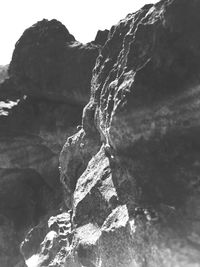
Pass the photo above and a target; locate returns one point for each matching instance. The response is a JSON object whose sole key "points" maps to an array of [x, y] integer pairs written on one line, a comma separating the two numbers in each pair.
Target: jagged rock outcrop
{"points": [[41, 104], [133, 190], [101, 37], [48, 62]]}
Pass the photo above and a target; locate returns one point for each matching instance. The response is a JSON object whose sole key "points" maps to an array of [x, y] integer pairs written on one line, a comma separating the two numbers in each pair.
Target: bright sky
{"points": [[83, 18]]}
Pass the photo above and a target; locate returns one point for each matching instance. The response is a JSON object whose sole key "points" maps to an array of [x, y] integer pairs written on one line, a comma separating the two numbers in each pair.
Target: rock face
{"points": [[41, 104], [131, 173], [101, 37], [3, 73], [49, 62]]}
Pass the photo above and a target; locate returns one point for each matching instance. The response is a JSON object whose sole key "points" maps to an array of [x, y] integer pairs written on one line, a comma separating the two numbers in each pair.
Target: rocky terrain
{"points": [[41, 104], [130, 172]]}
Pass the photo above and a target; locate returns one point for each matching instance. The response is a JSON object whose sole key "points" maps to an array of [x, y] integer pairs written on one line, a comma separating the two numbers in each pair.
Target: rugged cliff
{"points": [[41, 104], [131, 173]]}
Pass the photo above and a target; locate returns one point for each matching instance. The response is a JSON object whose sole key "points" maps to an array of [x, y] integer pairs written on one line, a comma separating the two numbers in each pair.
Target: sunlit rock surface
{"points": [[3, 73], [131, 172], [41, 103]]}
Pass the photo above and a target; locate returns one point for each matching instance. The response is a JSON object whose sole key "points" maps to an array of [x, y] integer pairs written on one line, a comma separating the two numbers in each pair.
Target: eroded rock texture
{"points": [[41, 104], [131, 173], [3, 73], [47, 60]]}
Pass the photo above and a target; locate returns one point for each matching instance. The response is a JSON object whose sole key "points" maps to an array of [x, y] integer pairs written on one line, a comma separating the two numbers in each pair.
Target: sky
{"points": [[83, 18]]}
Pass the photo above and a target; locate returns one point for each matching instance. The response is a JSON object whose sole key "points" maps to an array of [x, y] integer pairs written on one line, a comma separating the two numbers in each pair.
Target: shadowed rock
{"points": [[41, 104], [131, 173], [49, 63]]}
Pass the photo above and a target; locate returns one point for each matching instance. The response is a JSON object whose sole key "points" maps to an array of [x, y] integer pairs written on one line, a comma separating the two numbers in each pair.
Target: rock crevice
{"points": [[130, 173]]}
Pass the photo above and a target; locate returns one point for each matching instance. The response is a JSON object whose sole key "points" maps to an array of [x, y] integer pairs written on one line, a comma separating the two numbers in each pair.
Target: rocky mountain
{"points": [[130, 173], [41, 104]]}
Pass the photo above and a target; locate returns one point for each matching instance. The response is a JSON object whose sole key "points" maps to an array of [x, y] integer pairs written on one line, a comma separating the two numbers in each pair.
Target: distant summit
{"points": [[45, 31], [49, 62]]}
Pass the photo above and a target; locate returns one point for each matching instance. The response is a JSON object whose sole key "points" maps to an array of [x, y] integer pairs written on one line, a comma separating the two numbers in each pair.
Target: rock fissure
{"points": [[130, 172]]}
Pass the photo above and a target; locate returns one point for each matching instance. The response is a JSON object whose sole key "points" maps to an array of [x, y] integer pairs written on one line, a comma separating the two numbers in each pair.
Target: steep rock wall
{"points": [[131, 173], [41, 104]]}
